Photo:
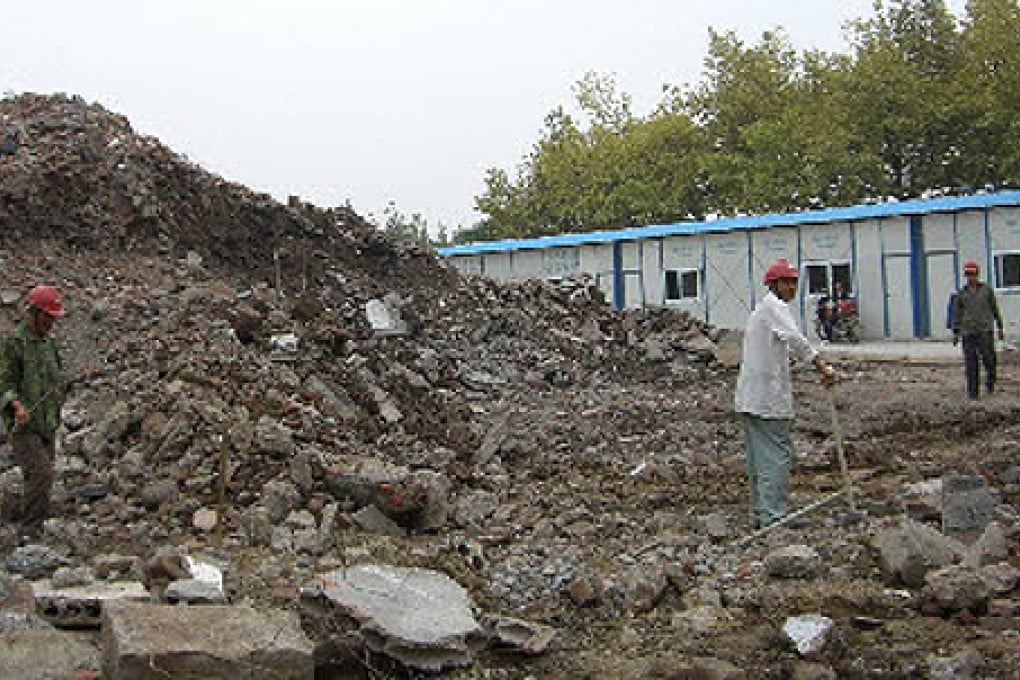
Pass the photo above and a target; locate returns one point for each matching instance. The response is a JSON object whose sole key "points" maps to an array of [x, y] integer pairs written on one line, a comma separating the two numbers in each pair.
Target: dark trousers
{"points": [[34, 454], [979, 346]]}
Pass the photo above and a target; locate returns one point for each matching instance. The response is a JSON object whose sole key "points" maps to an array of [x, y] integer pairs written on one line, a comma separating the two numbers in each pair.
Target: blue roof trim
{"points": [[919, 206]]}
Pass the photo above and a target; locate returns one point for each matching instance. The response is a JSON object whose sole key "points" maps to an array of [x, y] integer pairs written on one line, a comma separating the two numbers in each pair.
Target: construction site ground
{"points": [[590, 467]]}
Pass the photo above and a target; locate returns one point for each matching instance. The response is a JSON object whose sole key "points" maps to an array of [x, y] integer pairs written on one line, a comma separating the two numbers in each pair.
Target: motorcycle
{"points": [[837, 320]]}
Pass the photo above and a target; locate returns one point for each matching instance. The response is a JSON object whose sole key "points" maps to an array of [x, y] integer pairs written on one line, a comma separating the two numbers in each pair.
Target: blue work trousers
{"points": [[769, 455]]}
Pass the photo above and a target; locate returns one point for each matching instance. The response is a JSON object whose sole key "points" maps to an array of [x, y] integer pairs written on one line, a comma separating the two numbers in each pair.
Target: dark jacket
{"points": [[975, 310], [31, 371]]}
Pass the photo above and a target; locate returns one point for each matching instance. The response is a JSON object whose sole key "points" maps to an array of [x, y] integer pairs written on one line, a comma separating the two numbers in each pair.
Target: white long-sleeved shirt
{"points": [[764, 387]]}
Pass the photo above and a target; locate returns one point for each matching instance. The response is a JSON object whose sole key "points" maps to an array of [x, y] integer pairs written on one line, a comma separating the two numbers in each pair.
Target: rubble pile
{"points": [[275, 407]]}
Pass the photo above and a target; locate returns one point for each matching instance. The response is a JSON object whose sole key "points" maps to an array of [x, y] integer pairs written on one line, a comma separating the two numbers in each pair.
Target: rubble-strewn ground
{"points": [[589, 466]]}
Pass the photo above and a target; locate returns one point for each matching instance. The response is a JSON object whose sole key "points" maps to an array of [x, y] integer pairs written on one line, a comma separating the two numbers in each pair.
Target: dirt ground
{"points": [[592, 462]]}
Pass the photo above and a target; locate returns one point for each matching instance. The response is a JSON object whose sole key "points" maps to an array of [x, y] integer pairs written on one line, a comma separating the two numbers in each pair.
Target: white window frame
{"points": [[679, 272], [830, 282], [997, 256]]}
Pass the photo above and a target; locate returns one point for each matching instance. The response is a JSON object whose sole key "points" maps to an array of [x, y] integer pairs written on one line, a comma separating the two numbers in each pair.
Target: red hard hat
{"points": [[46, 298], [780, 270], [970, 267]]}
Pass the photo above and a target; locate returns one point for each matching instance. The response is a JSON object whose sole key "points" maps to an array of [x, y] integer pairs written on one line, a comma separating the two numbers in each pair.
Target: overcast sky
{"points": [[374, 100]]}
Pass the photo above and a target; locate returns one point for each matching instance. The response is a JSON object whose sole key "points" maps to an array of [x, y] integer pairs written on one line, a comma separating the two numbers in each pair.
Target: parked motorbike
{"points": [[837, 320]]}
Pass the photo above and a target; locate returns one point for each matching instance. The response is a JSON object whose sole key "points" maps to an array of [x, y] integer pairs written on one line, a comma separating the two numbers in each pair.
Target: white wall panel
{"points": [[870, 293], [528, 264], [651, 272], [970, 238], [499, 266], [899, 300], [1004, 234], [826, 242], [597, 259], [468, 264], [895, 235], [726, 279], [939, 232]]}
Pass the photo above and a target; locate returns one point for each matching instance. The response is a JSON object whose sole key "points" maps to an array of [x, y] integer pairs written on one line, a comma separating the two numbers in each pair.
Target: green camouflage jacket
{"points": [[31, 371]]}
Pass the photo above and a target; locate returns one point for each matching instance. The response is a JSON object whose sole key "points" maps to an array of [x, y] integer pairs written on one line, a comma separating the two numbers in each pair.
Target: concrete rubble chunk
{"points": [[793, 561], [383, 318], [953, 589], [523, 636], [808, 633], [215, 641], [81, 606], [908, 551], [990, 548], [964, 664], [421, 618], [205, 584], [34, 561], [371, 519], [968, 506], [1000, 578]]}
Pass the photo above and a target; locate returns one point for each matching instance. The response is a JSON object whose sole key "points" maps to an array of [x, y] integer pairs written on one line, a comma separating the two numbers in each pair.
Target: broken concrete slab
{"points": [[419, 617], [47, 654], [141, 640], [968, 506], [81, 606]]}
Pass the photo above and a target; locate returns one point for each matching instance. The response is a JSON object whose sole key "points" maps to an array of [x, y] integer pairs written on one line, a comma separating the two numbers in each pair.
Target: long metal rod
{"points": [[837, 432], [791, 516]]}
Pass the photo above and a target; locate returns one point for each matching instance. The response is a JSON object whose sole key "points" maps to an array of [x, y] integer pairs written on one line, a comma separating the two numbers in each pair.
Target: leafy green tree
{"points": [[920, 103], [989, 152]]}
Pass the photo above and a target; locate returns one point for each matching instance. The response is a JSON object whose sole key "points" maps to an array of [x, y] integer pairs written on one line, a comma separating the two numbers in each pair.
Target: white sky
{"points": [[374, 100]]}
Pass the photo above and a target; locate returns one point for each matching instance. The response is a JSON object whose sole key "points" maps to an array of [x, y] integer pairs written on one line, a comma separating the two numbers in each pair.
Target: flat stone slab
{"points": [[419, 617], [222, 642], [46, 654], [81, 606]]}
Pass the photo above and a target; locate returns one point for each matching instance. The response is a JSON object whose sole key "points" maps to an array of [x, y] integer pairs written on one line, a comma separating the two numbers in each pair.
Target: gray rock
{"points": [[1000, 578], [907, 552], [34, 561], [157, 493], [968, 505], [990, 548], [953, 589], [964, 664], [793, 561]]}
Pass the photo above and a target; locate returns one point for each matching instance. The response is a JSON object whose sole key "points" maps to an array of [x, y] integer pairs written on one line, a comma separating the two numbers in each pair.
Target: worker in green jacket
{"points": [[32, 391]]}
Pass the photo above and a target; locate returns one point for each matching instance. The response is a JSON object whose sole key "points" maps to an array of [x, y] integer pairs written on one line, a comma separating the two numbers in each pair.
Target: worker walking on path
{"points": [[975, 315], [32, 392], [764, 395]]}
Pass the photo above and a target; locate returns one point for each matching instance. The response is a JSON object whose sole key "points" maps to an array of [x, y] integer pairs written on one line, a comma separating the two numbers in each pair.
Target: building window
{"points": [[829, 278], [817, 277], [1007, 270], [682, 284]]}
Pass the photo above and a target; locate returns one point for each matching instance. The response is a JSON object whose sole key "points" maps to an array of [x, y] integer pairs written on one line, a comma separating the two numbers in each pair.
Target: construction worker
{"points": [[975, 314], [764, 396], [32, 392]]}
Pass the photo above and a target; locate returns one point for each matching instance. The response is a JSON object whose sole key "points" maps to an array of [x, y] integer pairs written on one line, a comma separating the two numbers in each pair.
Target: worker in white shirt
{"points": [[764, 397]]}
